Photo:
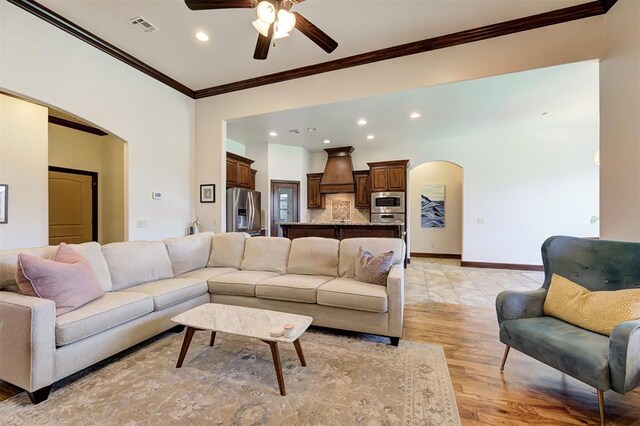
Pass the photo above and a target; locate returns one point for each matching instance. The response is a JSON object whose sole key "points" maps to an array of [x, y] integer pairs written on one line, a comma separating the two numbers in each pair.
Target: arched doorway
{"points": [[435, 212]]}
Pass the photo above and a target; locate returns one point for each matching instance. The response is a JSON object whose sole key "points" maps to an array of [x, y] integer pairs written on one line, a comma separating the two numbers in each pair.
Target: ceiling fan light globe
{"points": [[287, 20], [266, 12], [279, 34], [261, 27]]}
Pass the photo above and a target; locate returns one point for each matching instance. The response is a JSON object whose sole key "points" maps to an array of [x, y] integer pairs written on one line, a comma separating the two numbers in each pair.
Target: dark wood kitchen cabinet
{"points": [[363, 192], [253, 179], [388, 176], [239, 174], [315, 200]]}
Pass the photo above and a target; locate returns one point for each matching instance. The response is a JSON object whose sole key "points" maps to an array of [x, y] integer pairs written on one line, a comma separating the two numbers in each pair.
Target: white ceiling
{"points": [[510, 103], [357, 25]]}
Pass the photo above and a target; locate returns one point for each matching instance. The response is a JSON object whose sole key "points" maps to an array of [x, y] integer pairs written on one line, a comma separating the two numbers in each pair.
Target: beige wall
{"points": [[23, 166], [620, 125], [104, 155], [436, 240]]}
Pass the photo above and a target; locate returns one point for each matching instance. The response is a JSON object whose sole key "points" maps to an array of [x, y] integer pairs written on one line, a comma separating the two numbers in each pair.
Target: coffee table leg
{"points": [[213, 338], [276, 362], [296, 343], [185, 345]]}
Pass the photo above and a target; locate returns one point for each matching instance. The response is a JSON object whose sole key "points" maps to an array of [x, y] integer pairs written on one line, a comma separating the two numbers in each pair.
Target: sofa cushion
{"points": [[67, 279], [189, 253], [296, 288], [349, 250], [577, 352], [171, 291], [137, 262], [599, 311], [241, 283], [104, 313], [351, 294], [90, 251], [314, 256], [373, 269], [266, 254], [207, 273], [227, 250]]}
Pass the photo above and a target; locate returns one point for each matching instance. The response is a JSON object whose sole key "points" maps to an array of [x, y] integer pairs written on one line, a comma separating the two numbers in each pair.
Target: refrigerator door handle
{"points": [[250, 212]]}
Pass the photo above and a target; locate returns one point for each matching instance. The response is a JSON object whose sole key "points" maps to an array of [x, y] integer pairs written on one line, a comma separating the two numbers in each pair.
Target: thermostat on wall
{"points": [[156, 195]]}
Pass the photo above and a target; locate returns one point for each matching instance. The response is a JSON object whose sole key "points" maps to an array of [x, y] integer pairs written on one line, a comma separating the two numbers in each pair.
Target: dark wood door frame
{"points": [[275, 202], [94, 195]]}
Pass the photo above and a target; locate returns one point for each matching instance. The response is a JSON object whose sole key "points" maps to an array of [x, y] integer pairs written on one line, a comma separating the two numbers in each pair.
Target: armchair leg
{"points": [[504, 357], [601, 406]]}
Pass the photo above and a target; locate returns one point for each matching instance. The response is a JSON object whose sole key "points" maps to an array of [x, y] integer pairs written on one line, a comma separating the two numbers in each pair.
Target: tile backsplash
{"points": [[341, 210]]}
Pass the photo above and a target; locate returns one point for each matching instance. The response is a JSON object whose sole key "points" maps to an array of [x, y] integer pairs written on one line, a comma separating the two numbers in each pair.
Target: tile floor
{"points": [[444, 280]]}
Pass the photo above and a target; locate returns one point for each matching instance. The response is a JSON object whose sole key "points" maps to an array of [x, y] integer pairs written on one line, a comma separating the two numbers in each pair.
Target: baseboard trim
{"points": [[515, 266], [437, 255]]}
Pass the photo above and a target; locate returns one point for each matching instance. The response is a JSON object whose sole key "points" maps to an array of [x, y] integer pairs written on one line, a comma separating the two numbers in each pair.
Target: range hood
{"points": [[338, 173]]}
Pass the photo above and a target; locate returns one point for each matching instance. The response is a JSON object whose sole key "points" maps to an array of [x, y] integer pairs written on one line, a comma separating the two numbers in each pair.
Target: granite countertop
{"points": [[339, 223]]}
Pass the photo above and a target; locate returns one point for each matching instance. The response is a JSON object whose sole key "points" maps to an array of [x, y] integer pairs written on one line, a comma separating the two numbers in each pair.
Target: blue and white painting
{"points": [[432, 206]]}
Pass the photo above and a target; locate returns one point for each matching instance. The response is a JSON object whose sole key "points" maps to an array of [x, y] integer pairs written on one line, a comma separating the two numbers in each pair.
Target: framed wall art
{"points": [[208, 193], [4, 203]]}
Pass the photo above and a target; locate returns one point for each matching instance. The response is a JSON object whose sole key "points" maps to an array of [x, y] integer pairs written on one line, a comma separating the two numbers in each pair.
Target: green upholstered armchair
{"points": [[597, 360]]}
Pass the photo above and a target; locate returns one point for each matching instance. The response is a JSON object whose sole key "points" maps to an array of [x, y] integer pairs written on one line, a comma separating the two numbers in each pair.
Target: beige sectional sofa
{"points": [[147, 283]]}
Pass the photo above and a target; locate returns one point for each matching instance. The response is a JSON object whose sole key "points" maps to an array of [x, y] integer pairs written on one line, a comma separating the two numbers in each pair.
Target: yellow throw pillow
{"points": [[598, 311]]}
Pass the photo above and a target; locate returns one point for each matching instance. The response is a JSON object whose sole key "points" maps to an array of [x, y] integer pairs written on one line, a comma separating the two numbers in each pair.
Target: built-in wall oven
{"points": [[387, 202]]}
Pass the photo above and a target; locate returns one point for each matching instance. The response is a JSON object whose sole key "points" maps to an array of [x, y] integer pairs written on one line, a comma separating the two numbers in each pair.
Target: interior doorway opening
{"points": [[87, 182], [436, 210]]}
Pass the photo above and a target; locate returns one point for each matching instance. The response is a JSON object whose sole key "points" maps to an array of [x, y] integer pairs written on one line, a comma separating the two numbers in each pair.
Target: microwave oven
{"points": [[387, 202]]}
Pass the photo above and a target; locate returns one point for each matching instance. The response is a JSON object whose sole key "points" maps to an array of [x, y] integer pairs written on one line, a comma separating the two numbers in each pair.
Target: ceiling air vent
{"points": [[143, 25]]}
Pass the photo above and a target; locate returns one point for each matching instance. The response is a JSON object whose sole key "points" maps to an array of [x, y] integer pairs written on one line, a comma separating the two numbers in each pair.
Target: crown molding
{"points": [[76, 30], [559, 16]]}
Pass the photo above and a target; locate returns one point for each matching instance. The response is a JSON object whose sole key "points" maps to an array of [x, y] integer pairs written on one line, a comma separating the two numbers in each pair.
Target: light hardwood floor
{"points": [[527, 393]]}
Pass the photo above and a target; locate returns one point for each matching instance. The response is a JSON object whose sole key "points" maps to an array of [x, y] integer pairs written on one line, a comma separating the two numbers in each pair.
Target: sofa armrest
{"points": [[395, 291], [27, 340], [520, 304], [624, 356]]}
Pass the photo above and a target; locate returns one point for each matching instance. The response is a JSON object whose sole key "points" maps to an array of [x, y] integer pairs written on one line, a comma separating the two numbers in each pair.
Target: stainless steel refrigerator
{"points": [[243, 211]]}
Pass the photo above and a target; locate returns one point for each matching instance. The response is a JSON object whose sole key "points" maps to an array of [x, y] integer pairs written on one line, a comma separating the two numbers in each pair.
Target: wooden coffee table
{"points": [[241, 321]]}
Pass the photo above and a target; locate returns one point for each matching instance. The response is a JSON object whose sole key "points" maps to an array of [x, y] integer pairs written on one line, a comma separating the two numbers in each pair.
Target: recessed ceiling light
{"points": [[415, 115], [326, 141], [370, 137], [202, 36], [362, 122], [311, 129], [273, 134]]}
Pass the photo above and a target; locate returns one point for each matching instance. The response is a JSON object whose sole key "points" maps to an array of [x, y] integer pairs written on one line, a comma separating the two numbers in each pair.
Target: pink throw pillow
{"points": [[68, 279]]}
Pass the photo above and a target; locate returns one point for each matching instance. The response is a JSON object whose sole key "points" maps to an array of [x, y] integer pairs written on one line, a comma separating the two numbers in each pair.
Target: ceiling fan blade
{"points": [[220, 4], [262, 45], [316, 35]]}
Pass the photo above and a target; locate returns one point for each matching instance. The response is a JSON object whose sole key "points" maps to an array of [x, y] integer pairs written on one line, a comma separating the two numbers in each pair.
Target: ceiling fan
{"points": [[274, 22]]}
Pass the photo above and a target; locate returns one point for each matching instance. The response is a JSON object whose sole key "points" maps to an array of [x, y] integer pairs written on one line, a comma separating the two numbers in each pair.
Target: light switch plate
{"points": [[156, 195]]}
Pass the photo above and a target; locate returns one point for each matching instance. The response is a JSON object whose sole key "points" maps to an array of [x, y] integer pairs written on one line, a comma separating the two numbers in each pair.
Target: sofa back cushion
{"points": [[137, 262], [67, 278], [349, 251], [266, 254], [314, 256], [90, 251], [189, 253], [227, 250]]}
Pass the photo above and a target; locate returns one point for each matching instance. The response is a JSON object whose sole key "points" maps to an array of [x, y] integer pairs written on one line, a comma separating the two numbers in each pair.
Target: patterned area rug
{"points": [[348, 380]]}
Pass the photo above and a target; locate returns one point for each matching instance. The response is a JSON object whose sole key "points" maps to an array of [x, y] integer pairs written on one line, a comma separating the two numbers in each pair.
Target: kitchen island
{"points": [[341, 230]]}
